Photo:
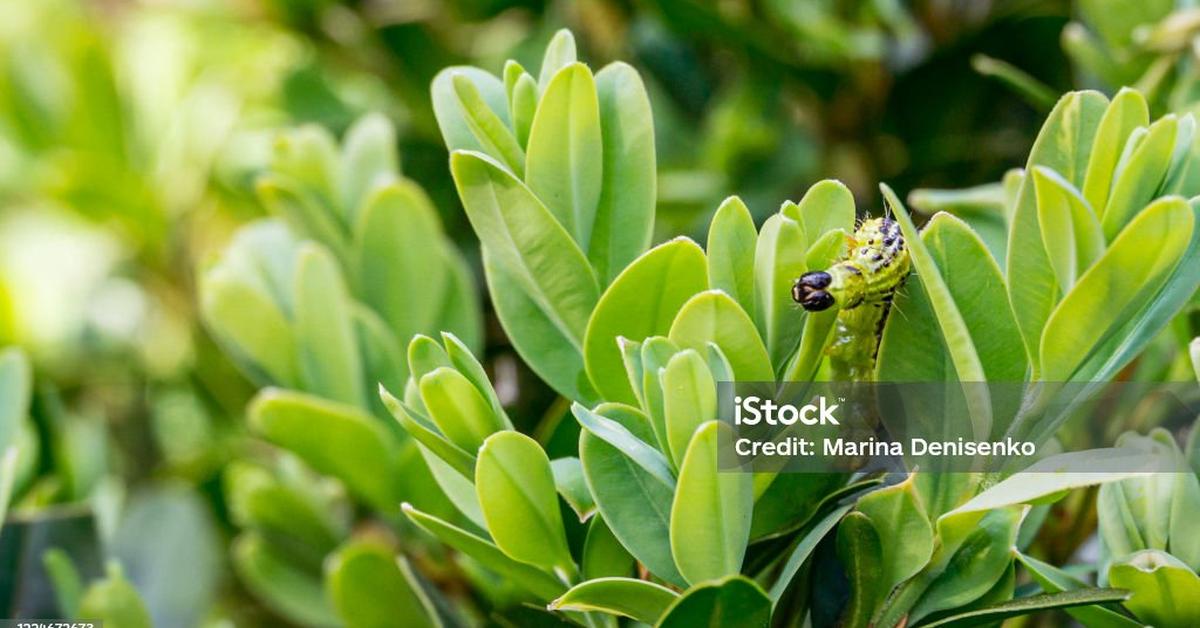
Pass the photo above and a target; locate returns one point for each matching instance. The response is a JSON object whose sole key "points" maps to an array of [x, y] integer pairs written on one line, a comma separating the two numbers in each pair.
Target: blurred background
{"points": [[131, 135]]}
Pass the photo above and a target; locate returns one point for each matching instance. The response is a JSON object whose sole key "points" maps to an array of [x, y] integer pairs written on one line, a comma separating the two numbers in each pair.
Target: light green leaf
{"points": [[723, 501], [292, 202], [641, 302], [1066, 600], [271, 507], [826, 206], [1064, 145], [637, 599], [980, 560], [560, 53], [424, 431], [715, 317], [1164, 591], [1137, 184], [732, 240], [552, 354], [779, 259], [1126, 112], [568, 480], [689, 400], [523, 237], [634, 502], [1130, 273], [330, 365], [1070, 229], [617, 435], [115, 602], [448, 108], [733, 602], [398, 259], [368, 162], [656, 352], [625, 215], [516, 490], [372, 587], [457, 408], [905, 531], [522, 92], [539, 583], [565, 162], [489, 129], [334, 439], [16, 387]]}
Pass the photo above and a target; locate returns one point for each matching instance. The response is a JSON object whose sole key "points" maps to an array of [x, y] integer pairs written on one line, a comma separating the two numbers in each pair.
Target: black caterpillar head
{"points": [[809, 291]]}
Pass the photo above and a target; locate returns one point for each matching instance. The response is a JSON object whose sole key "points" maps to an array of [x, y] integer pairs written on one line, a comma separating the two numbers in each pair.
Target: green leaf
{"points": [[860, 551], [489, 129], [560, 53], [641, 302], [522, 93], [308, 156], [522, 237], [1130, 273], [291, 201], [424, 431], [398, 259], [905, 531], [115, 602], [656, 352], [713, 316], [827, 205], [568, 480], [465, 362], [978, 563], [16, 386], [550, 352], [372, 587], [516, 490], [1055, 580], [603, 554], [330, 365], [634, 502], [733, 602], [334, 439], [68, 585], [625, 215], [1164, 590], [1030, 605], [803, 549], [565, 163], [689, 400], [1138, 183], [1064, 145], [368, 162], [285, 589], [723, 503], [1069, 227], [539, 583], [1126, 112], [976, 287], [732, 240], [260, 502], [448, 107], [457, 408], [616, 434], [637, 599], [779, 259]]}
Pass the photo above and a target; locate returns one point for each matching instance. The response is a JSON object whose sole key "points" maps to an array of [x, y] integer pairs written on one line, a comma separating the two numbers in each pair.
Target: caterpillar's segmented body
{"points": [[861, 286]]}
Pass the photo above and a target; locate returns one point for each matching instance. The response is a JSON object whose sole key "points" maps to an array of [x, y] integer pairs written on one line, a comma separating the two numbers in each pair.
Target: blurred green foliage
{"points": [[138, 139]]}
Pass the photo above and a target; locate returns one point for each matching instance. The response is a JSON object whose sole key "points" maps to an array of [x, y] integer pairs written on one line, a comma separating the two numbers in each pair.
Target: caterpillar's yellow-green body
{"points": [[861, 286]]}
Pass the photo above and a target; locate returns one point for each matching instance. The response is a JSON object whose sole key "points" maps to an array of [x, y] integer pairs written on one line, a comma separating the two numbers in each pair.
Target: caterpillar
{"points": [[861, 286]]}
